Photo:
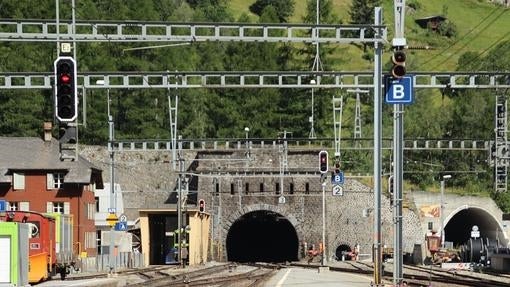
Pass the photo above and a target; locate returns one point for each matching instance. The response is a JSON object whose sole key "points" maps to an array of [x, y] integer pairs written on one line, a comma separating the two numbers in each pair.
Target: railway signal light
{"points": [[323, 161], [66, 92], [337, 168], [390, 188], [201, 205], [399, 64]]}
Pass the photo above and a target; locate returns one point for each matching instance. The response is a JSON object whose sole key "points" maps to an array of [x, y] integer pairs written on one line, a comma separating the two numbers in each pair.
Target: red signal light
{"points": [[323, 161], [65, 79]]}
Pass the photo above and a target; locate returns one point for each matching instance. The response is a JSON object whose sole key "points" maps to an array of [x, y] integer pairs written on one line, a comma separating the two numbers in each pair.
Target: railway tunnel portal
{"points": [[459, 224], [262, 236]]}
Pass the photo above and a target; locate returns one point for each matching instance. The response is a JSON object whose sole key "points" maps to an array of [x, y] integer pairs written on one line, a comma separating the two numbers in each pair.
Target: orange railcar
{"points": [[46, 244]]}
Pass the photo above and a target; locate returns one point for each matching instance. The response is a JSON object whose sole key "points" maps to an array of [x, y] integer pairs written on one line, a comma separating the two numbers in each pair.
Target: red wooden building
{"points": [[33, 178]]}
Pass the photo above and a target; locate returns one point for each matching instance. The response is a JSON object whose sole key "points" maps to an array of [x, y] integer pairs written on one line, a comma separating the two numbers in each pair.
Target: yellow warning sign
{"points": [[111, 219]]}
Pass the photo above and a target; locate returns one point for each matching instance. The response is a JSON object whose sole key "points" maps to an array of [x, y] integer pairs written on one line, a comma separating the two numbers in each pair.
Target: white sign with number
{"points": [[123, 218], [338, 190]]}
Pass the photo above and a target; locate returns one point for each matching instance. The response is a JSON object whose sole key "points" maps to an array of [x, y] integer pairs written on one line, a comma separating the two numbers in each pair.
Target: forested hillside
{"points": [[474, 37]]}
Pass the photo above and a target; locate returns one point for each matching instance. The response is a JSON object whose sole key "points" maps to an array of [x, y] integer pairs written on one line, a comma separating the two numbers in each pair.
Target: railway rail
{"points": [[224, 275], [423, 276], [143, 272]]}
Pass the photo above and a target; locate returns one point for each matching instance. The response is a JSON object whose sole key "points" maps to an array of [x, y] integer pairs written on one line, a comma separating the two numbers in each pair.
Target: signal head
{"points": [[66, 94], [399, 66], [201, 205], [323, 161]]}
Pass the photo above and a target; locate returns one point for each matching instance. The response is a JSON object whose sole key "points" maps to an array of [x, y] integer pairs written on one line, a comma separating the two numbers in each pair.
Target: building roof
{"points": [[32, 153], [423, 22]]}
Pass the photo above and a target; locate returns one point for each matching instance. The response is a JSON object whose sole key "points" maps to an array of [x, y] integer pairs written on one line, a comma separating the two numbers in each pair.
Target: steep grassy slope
{"points": [[480, 26]]}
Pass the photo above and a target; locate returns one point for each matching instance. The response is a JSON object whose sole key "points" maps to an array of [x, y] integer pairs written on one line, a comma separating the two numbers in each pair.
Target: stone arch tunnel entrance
{"points": [[458, 228], [262, 236]]}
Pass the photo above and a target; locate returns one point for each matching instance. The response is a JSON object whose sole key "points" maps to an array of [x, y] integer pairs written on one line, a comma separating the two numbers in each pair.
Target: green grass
{"points": [[480, 26]]}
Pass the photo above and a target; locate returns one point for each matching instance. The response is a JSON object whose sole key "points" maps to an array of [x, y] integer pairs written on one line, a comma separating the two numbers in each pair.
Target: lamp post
{"points": [[443, 178], [311, 119], [247, 130], [112, 177]]}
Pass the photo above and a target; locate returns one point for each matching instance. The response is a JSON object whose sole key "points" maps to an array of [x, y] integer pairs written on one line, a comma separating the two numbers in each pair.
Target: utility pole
{"points": [[179, 203], [443, 179], [317, 65], [377, 147], [112, 182]]}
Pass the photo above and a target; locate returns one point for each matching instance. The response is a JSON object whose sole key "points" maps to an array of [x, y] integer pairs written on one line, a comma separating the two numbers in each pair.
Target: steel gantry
{"points": [[25, 30], [141, 31], [252, 79]]}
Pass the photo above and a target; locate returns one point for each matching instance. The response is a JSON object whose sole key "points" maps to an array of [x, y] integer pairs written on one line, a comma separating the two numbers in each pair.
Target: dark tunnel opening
{"points": [[262, 236], [458, 228], [342, 252]]}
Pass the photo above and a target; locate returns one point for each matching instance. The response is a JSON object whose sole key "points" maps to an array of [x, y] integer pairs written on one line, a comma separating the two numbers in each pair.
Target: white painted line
{"points": [[280, 283], [89, 282]]}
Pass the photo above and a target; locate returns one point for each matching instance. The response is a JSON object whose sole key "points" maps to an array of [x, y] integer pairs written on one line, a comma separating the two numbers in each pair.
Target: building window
{"points": [[54, 180], [277, 188], [431, 225], [97, 203], [18, 180], [307, 188], [98, 241], [90, 211], [247, 187], [90, 240], [58, 207], [17, 206], [232, 190], [261, 188], [12, 206], [291, 188]]}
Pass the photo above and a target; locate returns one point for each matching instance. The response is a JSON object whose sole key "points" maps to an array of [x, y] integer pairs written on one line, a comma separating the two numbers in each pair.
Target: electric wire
{"points": [[478, 60], [468, 42], [460, 38]]}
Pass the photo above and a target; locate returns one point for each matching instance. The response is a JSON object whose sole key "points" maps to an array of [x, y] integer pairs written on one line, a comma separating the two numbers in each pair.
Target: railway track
{"points": [[225, 275], [423, 276], [143, 272]]}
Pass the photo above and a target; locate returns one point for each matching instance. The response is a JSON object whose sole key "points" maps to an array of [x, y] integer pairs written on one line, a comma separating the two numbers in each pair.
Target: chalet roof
{"points": [[423, 22], [32, 153]]}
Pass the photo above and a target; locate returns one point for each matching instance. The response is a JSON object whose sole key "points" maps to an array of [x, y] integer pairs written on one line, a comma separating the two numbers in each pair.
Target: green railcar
{"points": [[14, 253]]}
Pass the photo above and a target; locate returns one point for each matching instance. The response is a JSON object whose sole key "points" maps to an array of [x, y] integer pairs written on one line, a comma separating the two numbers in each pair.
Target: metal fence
{"points": [[101, 263]]}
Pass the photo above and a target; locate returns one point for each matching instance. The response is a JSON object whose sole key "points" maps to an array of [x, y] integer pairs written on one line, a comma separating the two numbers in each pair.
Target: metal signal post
{"points": [[66, 105], [398, 71]]}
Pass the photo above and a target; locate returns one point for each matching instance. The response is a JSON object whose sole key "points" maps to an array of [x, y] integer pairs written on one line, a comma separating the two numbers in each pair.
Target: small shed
{"points": [[431, 22]]}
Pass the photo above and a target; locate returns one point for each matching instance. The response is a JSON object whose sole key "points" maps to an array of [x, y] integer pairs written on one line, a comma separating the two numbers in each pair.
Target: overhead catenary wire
{"points": [[465, 36]]}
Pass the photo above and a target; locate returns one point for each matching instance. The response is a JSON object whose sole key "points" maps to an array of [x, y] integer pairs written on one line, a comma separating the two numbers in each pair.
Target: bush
{"points": [[447, 29], [414, 5]]}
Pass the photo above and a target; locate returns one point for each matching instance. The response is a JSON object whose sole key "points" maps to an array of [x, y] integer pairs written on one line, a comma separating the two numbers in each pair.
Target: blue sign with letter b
{"points": [[399, 91]]}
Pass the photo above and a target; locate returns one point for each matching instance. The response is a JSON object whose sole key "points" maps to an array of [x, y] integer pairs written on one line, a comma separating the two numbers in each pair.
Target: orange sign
{"points": [[111, 219], [433, 210]]}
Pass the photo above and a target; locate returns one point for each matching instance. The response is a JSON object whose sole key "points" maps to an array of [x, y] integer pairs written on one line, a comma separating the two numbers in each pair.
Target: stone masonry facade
{"points": [[234, 182]]}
